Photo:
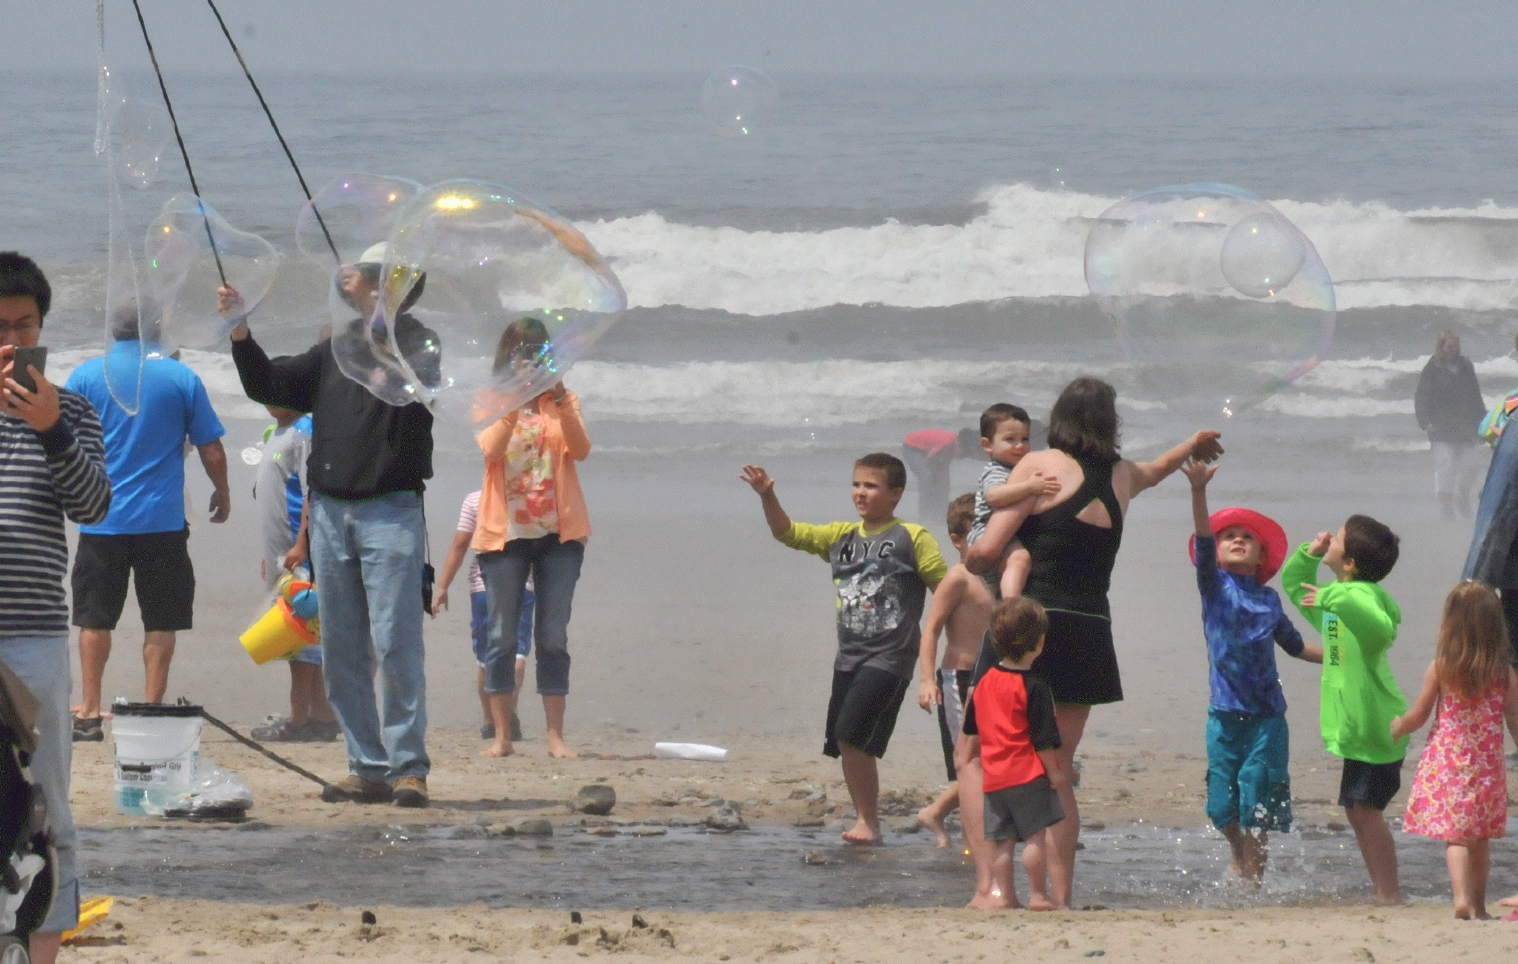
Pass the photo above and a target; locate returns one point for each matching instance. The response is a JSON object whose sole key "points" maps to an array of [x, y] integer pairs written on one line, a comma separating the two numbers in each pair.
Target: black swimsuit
{"points": [[1072, 570]]}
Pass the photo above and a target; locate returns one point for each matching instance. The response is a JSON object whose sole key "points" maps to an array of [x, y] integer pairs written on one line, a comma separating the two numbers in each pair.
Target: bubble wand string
{"points": [[270, 114], [163, 88]]}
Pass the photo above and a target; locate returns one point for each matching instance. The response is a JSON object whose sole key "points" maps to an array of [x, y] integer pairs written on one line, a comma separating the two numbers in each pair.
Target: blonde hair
{"points": [[1473, 642]]}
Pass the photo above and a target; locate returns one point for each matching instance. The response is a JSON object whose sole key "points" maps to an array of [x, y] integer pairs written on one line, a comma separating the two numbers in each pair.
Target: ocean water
{"points": [[887, 254]]}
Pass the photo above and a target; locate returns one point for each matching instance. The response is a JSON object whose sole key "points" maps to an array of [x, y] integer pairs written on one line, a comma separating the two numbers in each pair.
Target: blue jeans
{"points": [[479, 626], [555, 568], [368, 560], [42, 662]]}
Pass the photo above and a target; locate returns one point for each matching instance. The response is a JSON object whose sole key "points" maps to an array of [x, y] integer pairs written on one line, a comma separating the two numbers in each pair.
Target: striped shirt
{"points": [[45, 478]]}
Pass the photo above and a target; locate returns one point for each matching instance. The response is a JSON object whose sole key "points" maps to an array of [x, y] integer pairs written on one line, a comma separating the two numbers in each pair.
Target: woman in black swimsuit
{"points": [[1073, 537]]}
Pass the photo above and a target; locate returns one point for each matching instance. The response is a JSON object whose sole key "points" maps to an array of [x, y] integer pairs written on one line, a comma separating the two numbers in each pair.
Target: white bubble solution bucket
{"points": [[157, 750]]}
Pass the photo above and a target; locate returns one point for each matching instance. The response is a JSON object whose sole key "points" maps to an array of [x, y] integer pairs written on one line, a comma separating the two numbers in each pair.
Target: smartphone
{"points": [[34, 356]]}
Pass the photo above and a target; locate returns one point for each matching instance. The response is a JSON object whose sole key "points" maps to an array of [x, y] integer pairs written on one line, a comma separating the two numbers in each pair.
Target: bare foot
{"points": [[862, 835], [559, 750], [933, 822], [1042, 902], [498, 749], [1508, 901], [1389, 901], [994, 901]]}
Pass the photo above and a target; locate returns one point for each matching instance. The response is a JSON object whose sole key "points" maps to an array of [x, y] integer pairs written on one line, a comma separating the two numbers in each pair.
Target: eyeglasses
{"points": [[20, 327]]}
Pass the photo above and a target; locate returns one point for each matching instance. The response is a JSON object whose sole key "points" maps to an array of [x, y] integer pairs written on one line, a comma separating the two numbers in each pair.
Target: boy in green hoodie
{"points": [[1358, 620]]}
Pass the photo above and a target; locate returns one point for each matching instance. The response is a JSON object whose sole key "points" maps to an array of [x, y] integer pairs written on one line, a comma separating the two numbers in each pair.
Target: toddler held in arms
{"points": [[1004, 436]]}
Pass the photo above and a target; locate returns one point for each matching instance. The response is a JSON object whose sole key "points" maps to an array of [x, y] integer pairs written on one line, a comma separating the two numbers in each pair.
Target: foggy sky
{"points": [[1470, 38]]}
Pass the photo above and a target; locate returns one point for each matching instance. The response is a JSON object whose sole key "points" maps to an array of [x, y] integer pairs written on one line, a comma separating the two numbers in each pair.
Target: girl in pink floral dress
{"points": [[1459, 793]]}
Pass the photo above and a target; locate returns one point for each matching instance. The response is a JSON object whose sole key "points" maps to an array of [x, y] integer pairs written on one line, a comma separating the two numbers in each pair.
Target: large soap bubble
{"points": [[351, 215], [487, 297], [737, 100], [183, 247], [1218, 298]]}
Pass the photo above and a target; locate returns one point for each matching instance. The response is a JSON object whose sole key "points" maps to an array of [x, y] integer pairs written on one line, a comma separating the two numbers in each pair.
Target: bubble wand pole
{"points": [[163, 88], [270, 114]]}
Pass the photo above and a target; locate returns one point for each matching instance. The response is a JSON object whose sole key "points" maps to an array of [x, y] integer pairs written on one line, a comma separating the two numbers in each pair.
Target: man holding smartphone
{"points": [[52, 468]]}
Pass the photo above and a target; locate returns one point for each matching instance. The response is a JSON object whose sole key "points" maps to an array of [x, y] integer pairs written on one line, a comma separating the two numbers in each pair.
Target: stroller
{"points": [[28, 864]]}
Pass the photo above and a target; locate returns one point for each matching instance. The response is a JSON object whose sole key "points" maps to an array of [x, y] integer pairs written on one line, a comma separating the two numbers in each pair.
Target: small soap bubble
{"points": [[737, 100], [487, 297], [182, 249], [1261, 254], [1217, 297], [140, 132]]}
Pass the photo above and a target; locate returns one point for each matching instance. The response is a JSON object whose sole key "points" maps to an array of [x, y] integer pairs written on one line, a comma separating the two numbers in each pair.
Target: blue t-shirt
{"points": [[144, 453], [1243, 621]]}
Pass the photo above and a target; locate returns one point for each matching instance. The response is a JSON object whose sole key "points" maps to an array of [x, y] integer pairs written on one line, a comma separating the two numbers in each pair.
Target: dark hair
{"points": [[1017, 624], [962, 514], [1084, 420], [21, 278], [130, 317], [1371, 546], [523, 331], [992, 418], [894, 468]]}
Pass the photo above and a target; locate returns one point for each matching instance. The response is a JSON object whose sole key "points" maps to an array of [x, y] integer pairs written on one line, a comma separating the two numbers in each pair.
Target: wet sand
{"points": [[181, 931]]}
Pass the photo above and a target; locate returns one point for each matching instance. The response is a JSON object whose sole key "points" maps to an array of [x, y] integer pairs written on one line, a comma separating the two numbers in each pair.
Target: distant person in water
{"points": [[929, 453], [1450, 409]]}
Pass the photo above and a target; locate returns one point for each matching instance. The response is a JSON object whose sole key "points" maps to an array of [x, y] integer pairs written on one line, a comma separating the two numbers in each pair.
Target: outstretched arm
{"points": [[1202, 447], [760, 481], [1417, 714]]}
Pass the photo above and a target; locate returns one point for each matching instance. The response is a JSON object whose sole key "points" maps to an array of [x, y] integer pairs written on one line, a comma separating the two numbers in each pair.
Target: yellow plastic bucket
{"points": [[277, 633]]}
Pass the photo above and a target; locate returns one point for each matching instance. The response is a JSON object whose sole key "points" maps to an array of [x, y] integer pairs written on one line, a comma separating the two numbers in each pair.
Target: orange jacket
{"points": [[568, 443]]}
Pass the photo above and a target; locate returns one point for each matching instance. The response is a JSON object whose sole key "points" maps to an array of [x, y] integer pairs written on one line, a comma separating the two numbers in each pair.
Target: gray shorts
{"points": [[1017, 813]]}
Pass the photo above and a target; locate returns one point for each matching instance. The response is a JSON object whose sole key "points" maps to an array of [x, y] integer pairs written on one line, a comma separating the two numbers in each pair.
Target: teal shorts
{"points": [[1247, 780]]}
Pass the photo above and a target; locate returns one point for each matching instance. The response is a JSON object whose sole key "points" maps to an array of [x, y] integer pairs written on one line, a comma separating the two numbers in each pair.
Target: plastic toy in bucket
{"points": [[290, 623]]}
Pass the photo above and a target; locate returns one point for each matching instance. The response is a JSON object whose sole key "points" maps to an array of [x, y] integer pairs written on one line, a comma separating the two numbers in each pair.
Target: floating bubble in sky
{"points": [[484, 299], [356, 212], [1261, 254], [140, 132], [181, 251], [1217, 297], [737, 100]]}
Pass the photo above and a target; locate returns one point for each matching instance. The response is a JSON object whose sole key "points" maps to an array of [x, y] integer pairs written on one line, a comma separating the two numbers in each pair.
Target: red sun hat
{"points": [[1272, 537]]}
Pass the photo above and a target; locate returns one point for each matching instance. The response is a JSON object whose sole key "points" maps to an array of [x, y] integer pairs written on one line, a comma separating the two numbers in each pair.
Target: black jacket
{"points": [[360, 446], [1448, 402]]}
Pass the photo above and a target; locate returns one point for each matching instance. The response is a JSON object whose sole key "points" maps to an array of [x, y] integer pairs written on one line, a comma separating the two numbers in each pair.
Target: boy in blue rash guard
{"points": [[1248, 787]]}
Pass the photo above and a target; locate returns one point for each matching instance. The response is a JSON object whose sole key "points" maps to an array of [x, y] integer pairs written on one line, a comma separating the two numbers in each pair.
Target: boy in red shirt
{"points": [[1011, 717]]}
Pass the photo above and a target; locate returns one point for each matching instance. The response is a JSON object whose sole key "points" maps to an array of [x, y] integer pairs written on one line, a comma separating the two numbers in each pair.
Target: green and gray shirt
{"points": [[882, 578]]}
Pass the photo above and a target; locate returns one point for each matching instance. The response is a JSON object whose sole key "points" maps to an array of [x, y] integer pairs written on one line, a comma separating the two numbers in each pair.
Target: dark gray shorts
{"points": [[1017, 813]]}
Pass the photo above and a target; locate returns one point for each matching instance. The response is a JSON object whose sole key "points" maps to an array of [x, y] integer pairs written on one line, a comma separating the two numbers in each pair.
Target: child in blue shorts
{"points": [[1237, 551], [479, 623]]}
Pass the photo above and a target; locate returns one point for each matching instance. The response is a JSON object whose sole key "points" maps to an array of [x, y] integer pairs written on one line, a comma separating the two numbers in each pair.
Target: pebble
{"points": [[602, 831], [531, 827], [647, 831], [1093, 825], [596, 799], [816, 796], [725, 818]]}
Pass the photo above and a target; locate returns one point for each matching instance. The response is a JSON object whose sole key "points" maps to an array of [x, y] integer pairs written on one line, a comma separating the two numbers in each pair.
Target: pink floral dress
{"points": [[1460, 789]]}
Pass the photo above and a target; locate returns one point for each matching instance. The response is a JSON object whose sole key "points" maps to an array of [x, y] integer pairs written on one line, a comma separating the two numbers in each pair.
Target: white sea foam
{"points": [[1030, 243]]}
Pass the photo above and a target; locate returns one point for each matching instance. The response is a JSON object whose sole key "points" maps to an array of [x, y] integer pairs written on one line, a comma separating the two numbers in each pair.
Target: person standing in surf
{"points": [[1073, 538], [1450, 409]]}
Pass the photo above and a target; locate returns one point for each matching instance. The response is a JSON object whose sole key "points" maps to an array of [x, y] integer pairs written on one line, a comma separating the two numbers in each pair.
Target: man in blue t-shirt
{"points": [[148, 406]]}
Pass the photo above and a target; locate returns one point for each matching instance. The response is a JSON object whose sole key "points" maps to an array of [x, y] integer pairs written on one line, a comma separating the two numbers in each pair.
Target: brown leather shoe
{"points": [[409, 792], [355, 789]]}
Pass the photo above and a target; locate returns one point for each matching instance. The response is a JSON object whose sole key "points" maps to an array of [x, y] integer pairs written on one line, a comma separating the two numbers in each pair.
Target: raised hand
{"points": [[758, 479], [1320, 543], [1205, 446], [1200, 473]]}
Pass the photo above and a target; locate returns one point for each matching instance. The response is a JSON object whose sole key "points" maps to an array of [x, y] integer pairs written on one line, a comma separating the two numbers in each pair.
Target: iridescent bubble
{"points": [[737, 100], [488, 297], [351, 215], [1261, 254], [1201, 340], [182, 249]]}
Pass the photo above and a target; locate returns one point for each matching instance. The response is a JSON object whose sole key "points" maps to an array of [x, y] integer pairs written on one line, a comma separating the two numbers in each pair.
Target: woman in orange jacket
{"points": [[532, 520]]}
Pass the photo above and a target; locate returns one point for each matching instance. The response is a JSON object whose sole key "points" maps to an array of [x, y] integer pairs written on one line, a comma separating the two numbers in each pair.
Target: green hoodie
{"points": [[1358, 620]]}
